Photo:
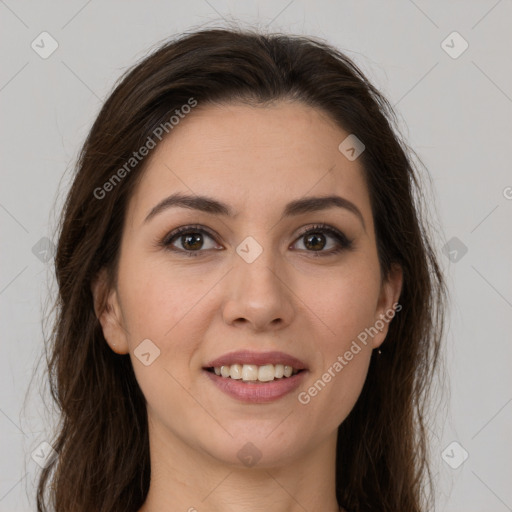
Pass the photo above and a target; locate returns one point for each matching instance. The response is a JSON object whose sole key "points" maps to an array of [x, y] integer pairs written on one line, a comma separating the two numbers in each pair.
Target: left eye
{"points": [[317, 235], [314, 240], [317, 240]]}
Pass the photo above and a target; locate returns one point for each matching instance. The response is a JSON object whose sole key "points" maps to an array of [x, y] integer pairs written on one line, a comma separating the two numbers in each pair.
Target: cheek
{"points": [[154, 310], [336, 383], [347, 304], [157, 300]]}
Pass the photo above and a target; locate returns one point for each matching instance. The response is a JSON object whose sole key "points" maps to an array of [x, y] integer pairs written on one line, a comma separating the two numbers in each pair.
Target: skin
{"points": [[195, 309]]}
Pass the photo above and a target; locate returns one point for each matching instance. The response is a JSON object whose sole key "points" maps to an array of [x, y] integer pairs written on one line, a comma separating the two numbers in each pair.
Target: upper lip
{"points": [[257, 358]]}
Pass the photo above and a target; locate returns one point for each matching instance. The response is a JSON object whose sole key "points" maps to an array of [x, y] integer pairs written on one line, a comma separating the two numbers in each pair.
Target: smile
{"points": [[254, 373]]}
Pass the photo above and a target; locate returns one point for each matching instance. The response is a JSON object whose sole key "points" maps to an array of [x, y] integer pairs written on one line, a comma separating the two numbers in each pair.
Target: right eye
{"points": [[191, 239]]}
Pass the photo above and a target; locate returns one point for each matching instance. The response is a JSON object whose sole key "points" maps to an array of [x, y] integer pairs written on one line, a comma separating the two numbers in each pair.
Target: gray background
{"points": [[455, 112]]}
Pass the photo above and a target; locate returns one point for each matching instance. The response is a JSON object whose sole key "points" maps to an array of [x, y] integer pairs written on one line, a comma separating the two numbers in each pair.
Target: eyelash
{"points": [[343, 242]]}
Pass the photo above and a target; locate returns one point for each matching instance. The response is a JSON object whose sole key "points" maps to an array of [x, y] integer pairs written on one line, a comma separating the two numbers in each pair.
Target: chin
{"points": [[253, 447]]}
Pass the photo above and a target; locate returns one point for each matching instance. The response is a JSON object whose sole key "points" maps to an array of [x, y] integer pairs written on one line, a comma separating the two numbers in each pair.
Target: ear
{"points": [[387, 305], [108, 312]]}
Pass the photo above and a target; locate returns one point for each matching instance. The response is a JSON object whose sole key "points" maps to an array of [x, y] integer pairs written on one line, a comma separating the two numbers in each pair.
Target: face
{"points": [[269, 276]]}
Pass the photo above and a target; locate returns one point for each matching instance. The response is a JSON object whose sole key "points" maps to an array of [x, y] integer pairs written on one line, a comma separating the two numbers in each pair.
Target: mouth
{"points": [[256, 377]]}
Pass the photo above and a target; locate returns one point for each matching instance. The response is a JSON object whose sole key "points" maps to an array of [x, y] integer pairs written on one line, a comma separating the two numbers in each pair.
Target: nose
{"points": [[258, 294]]}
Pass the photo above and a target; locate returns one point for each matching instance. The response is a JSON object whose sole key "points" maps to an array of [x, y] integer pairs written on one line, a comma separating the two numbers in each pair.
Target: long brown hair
{"points": [[103, 462]]}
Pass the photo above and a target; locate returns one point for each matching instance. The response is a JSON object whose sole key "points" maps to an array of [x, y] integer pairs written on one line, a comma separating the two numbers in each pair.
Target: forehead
{"points": [[251, 157]]}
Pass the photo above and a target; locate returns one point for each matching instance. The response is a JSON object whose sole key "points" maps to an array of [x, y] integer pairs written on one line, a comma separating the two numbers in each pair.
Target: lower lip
{"points": [[257, 393]]}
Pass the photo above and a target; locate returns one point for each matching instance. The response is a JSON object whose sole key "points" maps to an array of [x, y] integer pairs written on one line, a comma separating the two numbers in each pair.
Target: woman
{"points": [[250, 307]]}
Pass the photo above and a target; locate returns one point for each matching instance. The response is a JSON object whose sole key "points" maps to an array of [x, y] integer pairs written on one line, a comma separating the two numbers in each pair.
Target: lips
{"points": [[256, 358], [257, 392]]}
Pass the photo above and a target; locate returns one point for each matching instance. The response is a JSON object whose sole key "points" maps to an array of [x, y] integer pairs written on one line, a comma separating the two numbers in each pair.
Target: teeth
{"points": [[252, 372], [235, 371], [249, 372], [266, 373]]}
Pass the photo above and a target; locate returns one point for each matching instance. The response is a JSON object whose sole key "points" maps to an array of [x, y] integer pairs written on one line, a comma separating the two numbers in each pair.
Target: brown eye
{"points": [[316, 239], [192, 241], [189, 240]]}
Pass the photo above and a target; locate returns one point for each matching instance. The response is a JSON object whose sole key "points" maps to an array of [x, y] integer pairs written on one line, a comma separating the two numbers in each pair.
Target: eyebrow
{"points": [[212, 206]]}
